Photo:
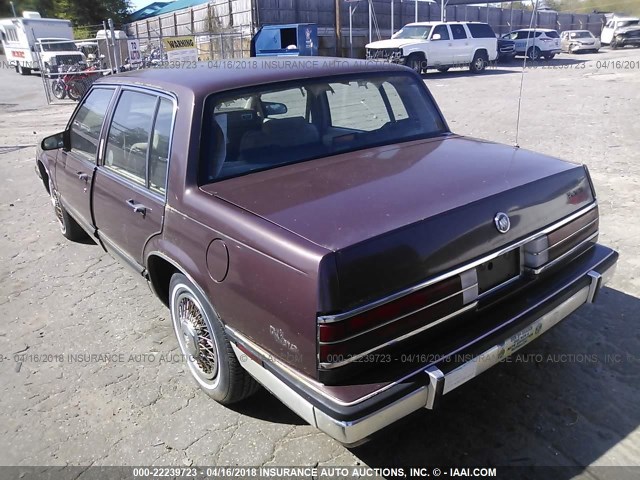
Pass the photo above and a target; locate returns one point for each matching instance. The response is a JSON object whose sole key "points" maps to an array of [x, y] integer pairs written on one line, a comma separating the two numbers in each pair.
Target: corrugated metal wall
{"points": [[230, 23]]}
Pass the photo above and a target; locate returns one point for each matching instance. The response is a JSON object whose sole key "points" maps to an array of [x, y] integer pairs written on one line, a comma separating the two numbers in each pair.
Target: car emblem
{"points": [[503, 224]]}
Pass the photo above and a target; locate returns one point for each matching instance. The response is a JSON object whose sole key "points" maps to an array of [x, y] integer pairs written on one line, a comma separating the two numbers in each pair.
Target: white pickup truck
{"points": [[439, 45], [32, 43]]}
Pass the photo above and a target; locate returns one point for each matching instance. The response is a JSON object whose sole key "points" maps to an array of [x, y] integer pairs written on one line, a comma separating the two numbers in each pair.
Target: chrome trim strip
{"points": [[330, 366], [500, 286], [341, 316], [388, 322], [564, 239], [436, 386], [537, 271], [282, 391], [594, 286], [469, 279], [351, 431]]}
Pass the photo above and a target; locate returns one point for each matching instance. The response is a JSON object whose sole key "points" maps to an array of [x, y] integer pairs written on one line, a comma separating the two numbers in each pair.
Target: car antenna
{"points": [[524, 65]]}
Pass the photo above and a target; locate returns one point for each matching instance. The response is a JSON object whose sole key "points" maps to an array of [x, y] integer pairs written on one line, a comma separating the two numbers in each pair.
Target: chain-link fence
{"points": [[69, 67]]}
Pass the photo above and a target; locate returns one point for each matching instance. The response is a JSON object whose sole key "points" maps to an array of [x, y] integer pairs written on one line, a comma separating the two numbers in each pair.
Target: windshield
{"points": [[266, 127], [413, 31], [581, 35], [628, 23], [58, 46]]}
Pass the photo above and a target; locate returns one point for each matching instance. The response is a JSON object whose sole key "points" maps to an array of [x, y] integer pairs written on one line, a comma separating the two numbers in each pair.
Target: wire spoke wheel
{"points": [[57, 209], [195, 337], [204, 344]]}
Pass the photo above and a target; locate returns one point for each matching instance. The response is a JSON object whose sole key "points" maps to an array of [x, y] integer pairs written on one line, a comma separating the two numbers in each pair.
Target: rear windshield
{"points": [[552, 34], [274, 125], [481, 30], [413, 31]]}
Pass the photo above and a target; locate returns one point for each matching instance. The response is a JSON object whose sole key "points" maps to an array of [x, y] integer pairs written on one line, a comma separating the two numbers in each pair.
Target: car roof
{"points": [[220, 75], [624, 18], [432, 23], [565, 31], [535, 30]]}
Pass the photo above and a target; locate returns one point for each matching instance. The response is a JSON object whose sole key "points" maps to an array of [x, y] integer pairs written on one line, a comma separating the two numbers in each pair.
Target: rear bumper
{"points": [[424, 388]]}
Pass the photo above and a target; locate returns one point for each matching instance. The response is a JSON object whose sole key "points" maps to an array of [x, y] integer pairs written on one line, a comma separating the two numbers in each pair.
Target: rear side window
{"points": [[86, 125], [458, 32], [159, 155], [481, 30], [12, 35]]}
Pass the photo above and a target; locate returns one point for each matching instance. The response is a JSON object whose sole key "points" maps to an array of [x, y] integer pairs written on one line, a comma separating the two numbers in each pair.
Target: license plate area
{"points": [[500, 270]]}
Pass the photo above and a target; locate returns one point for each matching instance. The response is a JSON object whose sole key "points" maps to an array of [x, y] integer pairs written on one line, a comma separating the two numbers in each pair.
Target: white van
{"points": [[23, 38]]}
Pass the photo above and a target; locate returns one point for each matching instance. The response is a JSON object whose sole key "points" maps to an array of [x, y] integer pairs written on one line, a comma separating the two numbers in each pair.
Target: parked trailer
{"points": [[32, 43]]}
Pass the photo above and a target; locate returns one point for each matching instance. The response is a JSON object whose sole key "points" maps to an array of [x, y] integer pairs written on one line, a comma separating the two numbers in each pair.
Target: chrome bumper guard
{"points": [[439, 383]]}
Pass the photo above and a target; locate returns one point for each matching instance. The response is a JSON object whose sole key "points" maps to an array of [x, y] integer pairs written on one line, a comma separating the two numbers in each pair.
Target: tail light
{"points": [[346, 338], [549, 249]]}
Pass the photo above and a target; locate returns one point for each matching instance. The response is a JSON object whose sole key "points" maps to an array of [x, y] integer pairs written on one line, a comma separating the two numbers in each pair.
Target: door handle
{"points": [[83, 176], [137, 207]]}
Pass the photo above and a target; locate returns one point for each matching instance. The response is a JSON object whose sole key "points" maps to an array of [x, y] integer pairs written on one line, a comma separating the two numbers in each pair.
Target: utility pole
{"points": [[338, 25], [392, 2], [370, 24]]}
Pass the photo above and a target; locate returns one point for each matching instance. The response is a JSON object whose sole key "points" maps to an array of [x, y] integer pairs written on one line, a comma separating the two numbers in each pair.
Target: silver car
{"points": [[573, 41]]}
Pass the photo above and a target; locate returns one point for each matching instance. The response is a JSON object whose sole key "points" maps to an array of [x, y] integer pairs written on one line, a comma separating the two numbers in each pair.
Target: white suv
{"points": [[536, 42], [439, 45]]}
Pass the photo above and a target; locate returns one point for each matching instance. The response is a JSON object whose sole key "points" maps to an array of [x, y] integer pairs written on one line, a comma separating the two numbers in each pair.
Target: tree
{"points": [[80, 12], [629, 7]]}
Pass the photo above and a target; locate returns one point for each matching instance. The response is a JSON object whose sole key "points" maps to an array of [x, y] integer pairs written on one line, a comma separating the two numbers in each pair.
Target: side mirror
{"points": [[54, 142], [436, 36], [274, 108]]}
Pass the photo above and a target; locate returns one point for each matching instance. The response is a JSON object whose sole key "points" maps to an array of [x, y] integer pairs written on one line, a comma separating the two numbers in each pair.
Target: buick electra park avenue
{"points": [[322, 233]]}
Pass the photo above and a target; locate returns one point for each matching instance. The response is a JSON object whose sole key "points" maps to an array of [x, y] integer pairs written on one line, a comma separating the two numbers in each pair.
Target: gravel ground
{"points": [[570, 398]]}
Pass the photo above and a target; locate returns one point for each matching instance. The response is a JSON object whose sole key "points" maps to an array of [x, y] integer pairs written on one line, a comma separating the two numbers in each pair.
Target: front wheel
{"points": [[415, 62], [205, 346], [479, 62], [58, 90], [69, 228], [76, 90], [613, 45], [23, 70]]}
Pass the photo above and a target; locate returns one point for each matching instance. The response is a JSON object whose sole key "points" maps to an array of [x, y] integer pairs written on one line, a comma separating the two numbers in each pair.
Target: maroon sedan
{"points": [[321, 232]]}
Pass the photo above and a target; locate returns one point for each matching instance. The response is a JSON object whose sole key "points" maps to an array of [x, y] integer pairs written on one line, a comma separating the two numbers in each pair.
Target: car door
{"points": [[564, 41], [520, 39], [440, 51], [130, 180], [75, 167], [607, 32], [461, 48]]}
